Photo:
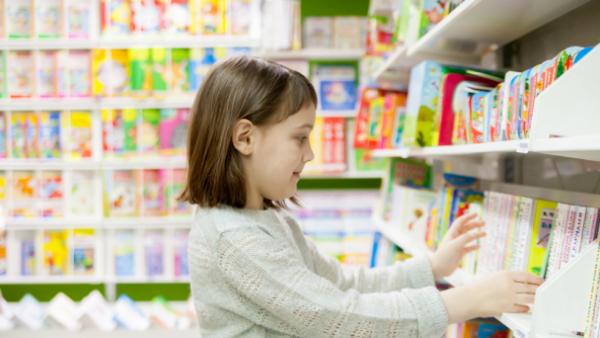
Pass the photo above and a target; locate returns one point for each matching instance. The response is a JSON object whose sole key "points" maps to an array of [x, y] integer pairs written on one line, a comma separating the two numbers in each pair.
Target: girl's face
{"points": [[279, 154]]}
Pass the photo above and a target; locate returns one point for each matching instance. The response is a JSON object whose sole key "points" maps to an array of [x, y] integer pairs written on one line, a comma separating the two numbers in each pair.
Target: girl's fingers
{"points": [[523, 299], [523, 288], [518, 308], [527, 278], [470, 248]]}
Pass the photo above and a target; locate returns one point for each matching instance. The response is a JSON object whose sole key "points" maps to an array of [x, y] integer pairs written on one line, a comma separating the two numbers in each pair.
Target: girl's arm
{"points": [[270, 274]]}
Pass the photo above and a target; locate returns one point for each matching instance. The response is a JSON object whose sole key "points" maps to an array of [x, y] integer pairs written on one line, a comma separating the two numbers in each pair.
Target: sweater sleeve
{"points": [[272, 275], [414, 273]]}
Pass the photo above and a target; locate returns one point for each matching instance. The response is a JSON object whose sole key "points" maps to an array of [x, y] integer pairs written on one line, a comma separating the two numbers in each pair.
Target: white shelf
{"points": [[147, 222], [94, 103], [170, 162], [163, 41], [454, 150], [51, 280], [48, 164], [395, 234], [52, 223], [93, 333], [139, 280], [475, 26], [314, 54]]}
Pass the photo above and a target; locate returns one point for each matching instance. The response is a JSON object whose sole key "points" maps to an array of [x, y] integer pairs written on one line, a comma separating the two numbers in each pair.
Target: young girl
{"points": [[254, 274]]}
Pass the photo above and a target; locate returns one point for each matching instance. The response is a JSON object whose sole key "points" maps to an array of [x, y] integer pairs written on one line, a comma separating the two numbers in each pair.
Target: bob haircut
{"points": [[242, 87]]}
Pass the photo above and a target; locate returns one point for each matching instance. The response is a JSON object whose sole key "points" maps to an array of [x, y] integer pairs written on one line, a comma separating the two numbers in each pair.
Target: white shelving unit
{"points": [[314, 54], [475, 26]]}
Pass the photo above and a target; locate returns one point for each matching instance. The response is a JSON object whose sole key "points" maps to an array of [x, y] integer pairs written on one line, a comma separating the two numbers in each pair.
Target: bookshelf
{"points": [[315, 54], [475, 26]]}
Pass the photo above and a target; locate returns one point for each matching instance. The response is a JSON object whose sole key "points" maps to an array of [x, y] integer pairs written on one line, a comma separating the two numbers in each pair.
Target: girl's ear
{"points": [[243, 136]]}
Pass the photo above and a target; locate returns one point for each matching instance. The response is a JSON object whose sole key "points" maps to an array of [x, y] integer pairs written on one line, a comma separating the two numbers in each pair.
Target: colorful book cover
{"points": [[173, 129], [240, 16], [339, 141], [3, 260], [110, 72], [543, 220], [159, 69], [577, 239], [568, 236], [20, 75], [24, 190], [3, 192], [212, 16], [201, 60], [80, 135], [56, 252], [148, 16], [81, 193], [49, 134], [153, 203], [113, 132], [47, 77], [18, 127], [180, 244], [558, 234], [178, 16], [361, 130], [477, 118], [130, 130], [115, 17], [122, 193], [3, 73], [51, 203], [174, 188], [150, 130], [154, 253], [80, 73], [180, 70], [591, 219], [49, 23], [374, 122], [28, 264], [336, 87], [78, 19], [83, 251], [327, 142], [19, 18], [140, 67], [124, 253]]}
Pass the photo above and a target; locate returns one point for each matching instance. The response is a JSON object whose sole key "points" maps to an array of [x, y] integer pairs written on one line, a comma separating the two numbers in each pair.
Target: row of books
{"points": [[328, 143], [341, 32], [56, 194], [478, 328], [74, 19], [107, 72], [77, 252], [94, 312], [592, 328], [403, 22], [380, 119], [457, 105]]}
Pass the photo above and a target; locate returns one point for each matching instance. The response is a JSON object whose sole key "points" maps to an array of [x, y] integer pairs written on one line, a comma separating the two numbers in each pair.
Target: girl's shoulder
{"points": [[226, 218]]}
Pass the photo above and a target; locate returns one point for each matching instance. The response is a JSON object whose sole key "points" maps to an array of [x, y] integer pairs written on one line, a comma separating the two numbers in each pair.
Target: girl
{"points": [[254, 274]]}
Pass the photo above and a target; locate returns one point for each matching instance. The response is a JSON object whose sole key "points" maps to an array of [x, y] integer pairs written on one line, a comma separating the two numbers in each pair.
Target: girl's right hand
{"points": [[492, 295]]}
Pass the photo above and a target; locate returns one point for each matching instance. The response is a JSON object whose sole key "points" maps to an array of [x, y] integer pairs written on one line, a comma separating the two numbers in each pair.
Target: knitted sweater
{"points": [[254, 274]]}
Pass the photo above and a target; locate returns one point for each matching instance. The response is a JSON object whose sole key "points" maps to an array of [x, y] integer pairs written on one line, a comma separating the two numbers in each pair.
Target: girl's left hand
{"points": [[456, 244]]}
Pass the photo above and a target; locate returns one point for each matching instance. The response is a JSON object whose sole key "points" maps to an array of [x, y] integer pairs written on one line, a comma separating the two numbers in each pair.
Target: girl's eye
{"points": [[302, 139]]}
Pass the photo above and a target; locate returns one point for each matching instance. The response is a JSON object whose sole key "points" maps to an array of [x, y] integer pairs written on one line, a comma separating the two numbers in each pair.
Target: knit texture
{"points": [[255, 274]]}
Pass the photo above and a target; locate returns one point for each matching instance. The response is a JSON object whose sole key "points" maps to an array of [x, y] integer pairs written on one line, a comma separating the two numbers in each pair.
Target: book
{"points": [[49, 18], [27, 253], [212, 17], [30, 313], [201, 60], [150, 131], [159, 70], [79, 69], [20, 76], [50, 74], [348, 32], [129, 315], [63, 311], [55, 252], [110, 72], [544, 218], [153, 203], [79, 141], [124, 253], [179, 70], [78, 19], [558, 234], [83, 252], [336, 87], [140, 68], [131, 129], [241, 16], [180, 257], [174, 186], [115, 17], [49, 134], [178, 16], [148, 16], [19, 18], [96, 310], [81, 194], [3, 193], [3, 257], [3, 72], [318, 32], [577, 236], [113, 132], [173, 129], [24, 192], [122, 193], [51, 198], [154, 258], [3, 135], [590, 226]]}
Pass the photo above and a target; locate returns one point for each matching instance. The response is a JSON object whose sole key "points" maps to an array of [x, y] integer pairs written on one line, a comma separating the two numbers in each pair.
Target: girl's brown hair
{"points": [[242, 87]]}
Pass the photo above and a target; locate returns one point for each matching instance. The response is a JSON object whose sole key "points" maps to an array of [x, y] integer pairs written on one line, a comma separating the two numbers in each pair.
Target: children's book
{"points": [[3, 193], [3, 260], [115, 17], [24, 190], [47, 74], [544, 218], [49, 18], [56, 252], [18, 127], [130, 130], [81, 193], [129, 315], [159, 70], [348, 32], [122, 193], [178, 16], [318, 32], [3, 135], [78, 19], [174, 187], [28, 253], [140, 67], [80, 73], [113, 132], [150, 130], [49, 134], [124, 253], [79, 143], [173, 129], [180, 244], [240, 16], [148, 16], [153, 203], [19, 18], [51, 203], [154, 257], [110, 72], [212, 17], [3, 74], [21, 74], [336, 87], [96, 310], [83, 251], [180, 70], [201, 60]]}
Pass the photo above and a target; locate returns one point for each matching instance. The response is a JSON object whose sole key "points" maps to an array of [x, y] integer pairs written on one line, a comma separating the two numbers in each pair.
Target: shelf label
{"points": [[523, 146]]}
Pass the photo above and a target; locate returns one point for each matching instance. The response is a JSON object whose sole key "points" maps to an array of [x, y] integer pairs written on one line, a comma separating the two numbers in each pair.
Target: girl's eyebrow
{"points": [[306, 125]]}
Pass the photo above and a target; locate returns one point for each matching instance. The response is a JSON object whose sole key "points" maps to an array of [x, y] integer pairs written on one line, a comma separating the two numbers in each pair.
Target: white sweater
{"points": [[254, 274]]}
